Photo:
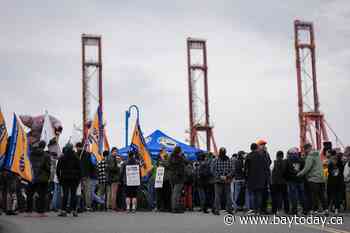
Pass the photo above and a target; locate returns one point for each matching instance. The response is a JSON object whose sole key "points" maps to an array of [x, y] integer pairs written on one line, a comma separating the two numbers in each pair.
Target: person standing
{"points": [[55, 153], [163, 194], [114, 170], [223, 172], [240, 196], [346, 174], [102, 177], [278, 184], [313, 172], [131, 190], [295, 184], [335, 181], [41, 165], [68, 174], [263, 150], [203, 175], [257, 173], [188, 186], [87, 171], [177, 178]]}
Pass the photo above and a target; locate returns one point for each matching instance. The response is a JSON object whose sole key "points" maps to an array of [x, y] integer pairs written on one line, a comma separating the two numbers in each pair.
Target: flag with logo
{"points": [[3, 138], [17, 159], [95, 138], [138, 141]]}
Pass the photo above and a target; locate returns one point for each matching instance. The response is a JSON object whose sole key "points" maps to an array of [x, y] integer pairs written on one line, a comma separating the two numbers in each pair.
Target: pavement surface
{"points": [[150, 222]]}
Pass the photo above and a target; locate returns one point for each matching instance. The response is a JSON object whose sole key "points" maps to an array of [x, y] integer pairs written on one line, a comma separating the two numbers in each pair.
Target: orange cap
{"points": [[261, 142]]}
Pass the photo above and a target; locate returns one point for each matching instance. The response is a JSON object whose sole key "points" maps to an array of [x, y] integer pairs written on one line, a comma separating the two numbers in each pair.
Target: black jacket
{"points": [[257, 171], [336, 173], [239, 168], [68, 167], [87, 167], [278, 171], [294, 165], [177, 169], [41, 165]]}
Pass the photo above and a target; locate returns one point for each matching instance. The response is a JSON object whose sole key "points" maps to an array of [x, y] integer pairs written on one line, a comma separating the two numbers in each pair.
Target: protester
{"points": [[114, 170], [69, 173], [335, 182], [257, 173], [188, 186], [262, 148], [102, 177], [131, 190], [223, 172], [295, 184], [240, 196], [177, 179], [204, 175], [87, 172], [278, 184], [41, 165], [347, 177], [163, 194], [313, 173], [55, 154]]}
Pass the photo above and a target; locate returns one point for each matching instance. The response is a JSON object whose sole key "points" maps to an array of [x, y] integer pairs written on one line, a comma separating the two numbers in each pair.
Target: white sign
{"points": [[132, 175], [159, 177]]}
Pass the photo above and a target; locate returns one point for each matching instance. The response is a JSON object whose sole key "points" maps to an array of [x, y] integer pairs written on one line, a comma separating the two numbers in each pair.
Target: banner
{"points": [[159, 177], [133, 175], [3, 136], [47, 132], [95, 140], [17, 159], [138, 141]]}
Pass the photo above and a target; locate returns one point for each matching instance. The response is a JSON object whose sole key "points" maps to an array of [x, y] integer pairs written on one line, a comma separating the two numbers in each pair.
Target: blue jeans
{"points": [[56, 198], [152, 193], [296, 194], [238, 186], [95, 197], [257, 199]]}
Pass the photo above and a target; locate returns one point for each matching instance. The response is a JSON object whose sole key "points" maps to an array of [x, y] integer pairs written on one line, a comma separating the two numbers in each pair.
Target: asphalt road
{"points": [[149, 222]]}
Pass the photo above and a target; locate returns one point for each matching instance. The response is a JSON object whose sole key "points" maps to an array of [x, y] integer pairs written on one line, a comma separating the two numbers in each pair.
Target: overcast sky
{"points": [[251, 60]]}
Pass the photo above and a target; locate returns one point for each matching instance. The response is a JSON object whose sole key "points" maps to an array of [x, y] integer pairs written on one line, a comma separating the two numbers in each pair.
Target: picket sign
{"points": [[133, 175], [159, 177]]}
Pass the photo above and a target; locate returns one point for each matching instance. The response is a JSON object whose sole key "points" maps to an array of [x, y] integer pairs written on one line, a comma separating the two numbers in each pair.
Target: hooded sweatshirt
{"points": [[313, 169]]}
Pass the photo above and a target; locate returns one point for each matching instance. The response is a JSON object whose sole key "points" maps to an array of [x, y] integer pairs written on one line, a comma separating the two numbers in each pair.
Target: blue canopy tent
{"points": [[158, 140]]}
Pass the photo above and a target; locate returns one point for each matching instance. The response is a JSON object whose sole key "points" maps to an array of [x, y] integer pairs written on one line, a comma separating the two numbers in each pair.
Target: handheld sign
{"points": [[159, 177], [132, 175]]}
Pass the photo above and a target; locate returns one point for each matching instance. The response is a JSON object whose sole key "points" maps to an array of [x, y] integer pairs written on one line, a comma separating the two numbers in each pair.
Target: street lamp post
{"points": [[127, 116]]}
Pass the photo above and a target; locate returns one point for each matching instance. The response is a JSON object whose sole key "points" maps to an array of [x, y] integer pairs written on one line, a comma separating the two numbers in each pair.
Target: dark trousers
{"points": [[223, 190], [279, 196], [335, 195], [265, 198], [317, 195], [258, 195], [204, 196], [69, 190], [163, 196], [296, 194], [41, 189]]}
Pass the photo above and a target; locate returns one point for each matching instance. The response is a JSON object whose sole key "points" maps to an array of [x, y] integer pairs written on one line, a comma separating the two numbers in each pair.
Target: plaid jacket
{"points": [[101, 171], [223, 167]]}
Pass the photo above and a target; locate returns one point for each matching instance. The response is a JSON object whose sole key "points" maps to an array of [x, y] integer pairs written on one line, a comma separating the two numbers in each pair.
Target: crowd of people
{"points": [[71, 183]]}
